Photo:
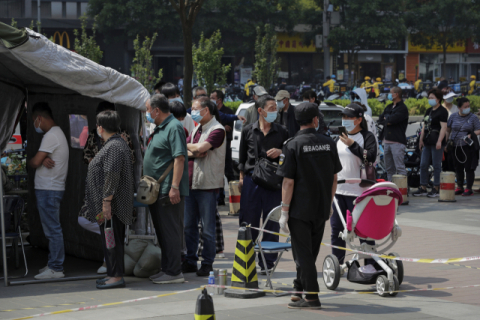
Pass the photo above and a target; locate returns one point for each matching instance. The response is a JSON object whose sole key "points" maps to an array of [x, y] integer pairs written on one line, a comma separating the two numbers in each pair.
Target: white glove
{"points": [[283, 222]]}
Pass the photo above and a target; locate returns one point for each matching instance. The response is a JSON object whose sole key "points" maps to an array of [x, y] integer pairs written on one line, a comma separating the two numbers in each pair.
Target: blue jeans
{"points": [[200, 205], [256, 202], [48, 203], [430, 154]]}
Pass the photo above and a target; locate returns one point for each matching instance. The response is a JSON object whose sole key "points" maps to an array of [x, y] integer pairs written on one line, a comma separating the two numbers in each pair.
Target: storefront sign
{"points": [[393, 46], [293, 43], [459, 47], [473, 47], [61, 37], [245, 74]]}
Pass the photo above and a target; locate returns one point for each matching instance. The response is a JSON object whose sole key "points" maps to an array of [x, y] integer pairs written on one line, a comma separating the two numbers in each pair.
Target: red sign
{"points": [[473, 47]]}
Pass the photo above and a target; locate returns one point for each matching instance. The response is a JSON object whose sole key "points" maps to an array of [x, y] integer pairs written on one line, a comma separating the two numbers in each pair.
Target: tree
{"points": [[441, 23], [378, 22], [142, 69], [188, 11], [85, 45], [134, 17], [266, 61], [207, 62]]}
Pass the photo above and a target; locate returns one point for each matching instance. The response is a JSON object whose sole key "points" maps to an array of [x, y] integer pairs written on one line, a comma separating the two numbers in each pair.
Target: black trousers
{"points": [[168, 223], [114, 258], [449, 163], [306, 240], [463, 166]]}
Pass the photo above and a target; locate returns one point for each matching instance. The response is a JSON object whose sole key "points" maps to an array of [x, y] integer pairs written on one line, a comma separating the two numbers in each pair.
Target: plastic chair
{"points": [[14, 205], [271, 247]]}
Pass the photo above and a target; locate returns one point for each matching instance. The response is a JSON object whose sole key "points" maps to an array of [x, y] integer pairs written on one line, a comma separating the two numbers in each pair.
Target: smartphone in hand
{"points": [[468, 140], [342, 130]]}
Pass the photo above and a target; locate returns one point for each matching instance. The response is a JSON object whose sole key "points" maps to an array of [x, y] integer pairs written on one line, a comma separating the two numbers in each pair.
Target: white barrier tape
{"points": [[105, 304], [383, 256], [340, 292]]}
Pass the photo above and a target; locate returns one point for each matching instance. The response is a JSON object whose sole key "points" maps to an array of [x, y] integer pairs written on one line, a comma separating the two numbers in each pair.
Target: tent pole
{"points": [[4, 245]]}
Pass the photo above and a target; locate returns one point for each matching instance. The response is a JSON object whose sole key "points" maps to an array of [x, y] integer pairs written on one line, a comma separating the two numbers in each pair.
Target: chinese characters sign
{"points": [[293, 43]]}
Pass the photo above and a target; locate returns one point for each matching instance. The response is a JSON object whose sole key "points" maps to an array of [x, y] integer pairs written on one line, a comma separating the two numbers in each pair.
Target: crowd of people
{"points": [[192, 150]]}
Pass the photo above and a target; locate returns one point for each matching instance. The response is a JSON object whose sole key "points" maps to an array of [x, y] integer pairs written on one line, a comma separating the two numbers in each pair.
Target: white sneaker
{"points": [[102, 270], [49, 274], [220, 256], [43, 269]]}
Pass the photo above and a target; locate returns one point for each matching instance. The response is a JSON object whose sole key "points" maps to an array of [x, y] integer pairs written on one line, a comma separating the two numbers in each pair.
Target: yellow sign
{"points": [[459, 47], [293, 43], [60, 37]]}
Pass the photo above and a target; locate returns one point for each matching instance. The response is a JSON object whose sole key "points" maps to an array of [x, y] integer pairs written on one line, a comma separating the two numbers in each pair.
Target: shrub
{"points": [[233, 105]]}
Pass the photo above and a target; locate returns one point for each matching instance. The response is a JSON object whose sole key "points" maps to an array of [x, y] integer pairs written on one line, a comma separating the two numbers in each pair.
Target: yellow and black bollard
{"points": [[244, 272], [204, 309]]}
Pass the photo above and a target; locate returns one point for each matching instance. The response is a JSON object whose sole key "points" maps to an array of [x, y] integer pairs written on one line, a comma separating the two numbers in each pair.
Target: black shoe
{"points": [[204, 271], [188, 267], [420, 192], [433, 193], [221, 202], [304, 304]]}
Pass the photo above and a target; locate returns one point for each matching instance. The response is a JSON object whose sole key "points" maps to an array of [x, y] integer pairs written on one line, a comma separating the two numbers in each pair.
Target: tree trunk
{"points": [[350, 77], [188, 57], [444, 73]]}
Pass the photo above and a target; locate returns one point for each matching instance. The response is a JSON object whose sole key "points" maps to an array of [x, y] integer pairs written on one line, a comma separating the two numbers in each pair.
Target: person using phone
{"points": [[462, 129]]}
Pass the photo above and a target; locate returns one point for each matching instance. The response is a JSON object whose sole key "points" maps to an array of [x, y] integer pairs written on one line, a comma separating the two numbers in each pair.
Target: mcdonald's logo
{"points": [[60, 38]]}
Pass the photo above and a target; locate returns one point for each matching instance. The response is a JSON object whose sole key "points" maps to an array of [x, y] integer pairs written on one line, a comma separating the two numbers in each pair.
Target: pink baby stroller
{"points": [[373, 218]]}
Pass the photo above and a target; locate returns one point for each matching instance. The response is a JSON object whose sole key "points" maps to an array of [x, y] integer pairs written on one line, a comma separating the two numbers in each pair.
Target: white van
{"points": [[331, 113]]}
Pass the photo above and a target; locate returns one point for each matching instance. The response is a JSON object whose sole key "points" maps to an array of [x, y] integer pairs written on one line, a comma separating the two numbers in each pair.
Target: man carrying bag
{"points": [[168, 145], [260, 148]]}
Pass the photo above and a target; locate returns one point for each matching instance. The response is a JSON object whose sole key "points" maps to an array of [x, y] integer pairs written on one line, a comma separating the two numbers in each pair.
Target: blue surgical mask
{"points": [[390, 97], [99, 134], [280, 105], [38, 129], [149, 118], [271, 116], [466, 111], [432, 102], [176, 99], [348, 124], [214, 102], [357, 100], [196, 116]]}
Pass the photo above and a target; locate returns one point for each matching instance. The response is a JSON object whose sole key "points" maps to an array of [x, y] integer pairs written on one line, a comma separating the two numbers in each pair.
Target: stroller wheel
{"points": [[399, 267], [331, 272], [383, 286], [397, 287]]}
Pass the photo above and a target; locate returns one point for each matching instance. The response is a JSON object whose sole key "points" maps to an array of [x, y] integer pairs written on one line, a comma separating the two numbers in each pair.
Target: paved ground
{"points": [[430, 230]]}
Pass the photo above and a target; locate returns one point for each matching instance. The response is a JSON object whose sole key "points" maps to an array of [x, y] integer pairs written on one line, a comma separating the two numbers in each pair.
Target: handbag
{"points": [[109, 235], [148, 188], [367, 171], [265, 171]]}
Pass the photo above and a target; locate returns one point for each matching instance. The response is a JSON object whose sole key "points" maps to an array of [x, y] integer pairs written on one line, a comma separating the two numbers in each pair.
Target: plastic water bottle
{"points": [[211, 281]]}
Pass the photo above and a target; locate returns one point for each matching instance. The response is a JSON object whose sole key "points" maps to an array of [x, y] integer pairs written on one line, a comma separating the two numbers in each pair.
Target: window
{"points": [[57, 10], [78, 130], [71, 10]]}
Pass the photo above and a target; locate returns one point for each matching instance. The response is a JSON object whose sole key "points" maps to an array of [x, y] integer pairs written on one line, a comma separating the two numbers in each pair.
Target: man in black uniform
{"points": [[309, 164]]}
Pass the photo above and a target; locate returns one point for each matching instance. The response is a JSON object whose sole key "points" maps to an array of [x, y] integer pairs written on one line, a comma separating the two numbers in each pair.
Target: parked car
{"points": [[331, 113]]}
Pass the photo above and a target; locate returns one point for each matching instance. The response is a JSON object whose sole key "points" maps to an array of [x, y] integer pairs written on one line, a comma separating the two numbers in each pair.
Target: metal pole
{"points": [[326, 47], [4, 244], [39, 21]]}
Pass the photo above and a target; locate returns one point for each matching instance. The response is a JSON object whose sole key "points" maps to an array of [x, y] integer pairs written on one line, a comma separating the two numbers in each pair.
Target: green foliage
{"points": [[14, 23], [85, 45], [135, 17], [207, 62], [266, 62], [142, 69], [233, 105]]}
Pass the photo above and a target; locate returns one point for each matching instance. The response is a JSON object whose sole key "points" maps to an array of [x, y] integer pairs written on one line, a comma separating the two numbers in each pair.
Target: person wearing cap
{"points": [[329, 85], [376, 86], [350, 151], [309, 164], [262, 139], [472, 85], [252, 112], [395, 121], [366, 84], [448, 103], [286, 113]]}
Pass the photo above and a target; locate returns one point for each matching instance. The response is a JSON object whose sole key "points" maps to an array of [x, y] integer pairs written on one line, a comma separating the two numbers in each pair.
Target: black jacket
{"points": [[292, 125], [395, 122]]}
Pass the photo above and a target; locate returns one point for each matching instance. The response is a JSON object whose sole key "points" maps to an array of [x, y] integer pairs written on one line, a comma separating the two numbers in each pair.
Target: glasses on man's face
{"points": [[201, 95]]}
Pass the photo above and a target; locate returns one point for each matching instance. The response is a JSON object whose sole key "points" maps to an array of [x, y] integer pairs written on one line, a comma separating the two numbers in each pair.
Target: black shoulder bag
{"points": [[265, 171]]}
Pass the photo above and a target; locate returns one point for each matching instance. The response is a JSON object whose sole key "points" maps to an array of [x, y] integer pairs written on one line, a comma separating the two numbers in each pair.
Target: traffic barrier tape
{"points": [[341, 292], [383, 256], [106, 304]]}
